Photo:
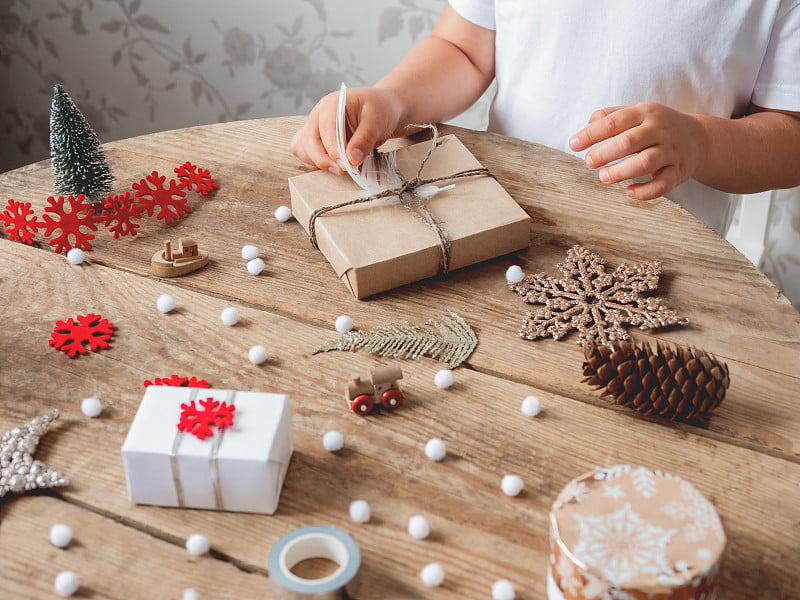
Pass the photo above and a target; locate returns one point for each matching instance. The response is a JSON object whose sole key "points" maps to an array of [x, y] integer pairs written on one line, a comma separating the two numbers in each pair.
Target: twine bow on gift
{"points": [[412, 194]]}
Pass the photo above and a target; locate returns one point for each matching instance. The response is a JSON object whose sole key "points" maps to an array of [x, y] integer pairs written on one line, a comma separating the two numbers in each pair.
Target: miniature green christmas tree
{"points": [[79, 164]]}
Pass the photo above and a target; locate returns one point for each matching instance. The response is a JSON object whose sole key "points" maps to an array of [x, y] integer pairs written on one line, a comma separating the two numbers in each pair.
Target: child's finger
{"points": [[662, 183], [369, 133], [603, 112], [605, 127], [624, 144], [650, 160]]}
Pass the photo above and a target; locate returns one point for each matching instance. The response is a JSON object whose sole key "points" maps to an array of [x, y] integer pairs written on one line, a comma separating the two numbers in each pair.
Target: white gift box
{"points": [[240, 468]]}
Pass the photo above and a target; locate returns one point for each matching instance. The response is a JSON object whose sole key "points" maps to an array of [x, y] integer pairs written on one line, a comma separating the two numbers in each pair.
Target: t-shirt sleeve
{"points": [[778, 83], [480, 12]]}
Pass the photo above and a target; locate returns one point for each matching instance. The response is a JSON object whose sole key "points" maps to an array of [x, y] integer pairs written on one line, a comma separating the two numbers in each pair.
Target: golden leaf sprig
{"points": [[448, 339]]}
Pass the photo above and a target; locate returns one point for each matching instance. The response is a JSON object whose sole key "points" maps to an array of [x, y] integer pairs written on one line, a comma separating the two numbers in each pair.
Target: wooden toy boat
{"points": [[174, 263]]}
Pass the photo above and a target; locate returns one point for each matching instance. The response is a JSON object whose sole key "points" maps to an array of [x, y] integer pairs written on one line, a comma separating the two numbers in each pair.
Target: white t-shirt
{"points": [[557, 62]]}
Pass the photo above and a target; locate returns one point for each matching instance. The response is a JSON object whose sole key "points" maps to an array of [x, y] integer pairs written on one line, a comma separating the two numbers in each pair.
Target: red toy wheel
{"points": [[361, 405], [392, 399]]}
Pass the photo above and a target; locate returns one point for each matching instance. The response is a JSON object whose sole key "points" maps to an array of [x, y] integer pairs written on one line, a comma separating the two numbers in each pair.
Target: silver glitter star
{"points": [[19, 472]]}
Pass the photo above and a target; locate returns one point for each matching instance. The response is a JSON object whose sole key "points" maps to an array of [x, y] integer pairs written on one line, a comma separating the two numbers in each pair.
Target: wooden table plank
{"points": [[479, 535]]}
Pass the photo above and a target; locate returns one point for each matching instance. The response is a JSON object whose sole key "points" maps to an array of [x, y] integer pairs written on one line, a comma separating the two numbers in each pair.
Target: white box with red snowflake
{"points": [[209, 448]]}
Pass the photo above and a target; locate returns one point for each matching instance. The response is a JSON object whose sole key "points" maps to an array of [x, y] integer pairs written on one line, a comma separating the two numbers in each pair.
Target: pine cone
{"points": [[675, 383]]}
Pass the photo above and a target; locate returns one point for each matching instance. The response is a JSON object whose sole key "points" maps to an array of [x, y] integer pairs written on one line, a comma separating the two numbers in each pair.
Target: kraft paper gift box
{"points": [[240, 468], [379, 245], [630, 532]]}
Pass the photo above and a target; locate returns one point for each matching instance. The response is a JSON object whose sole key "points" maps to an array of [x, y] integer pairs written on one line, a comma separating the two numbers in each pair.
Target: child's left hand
{"points": [[658, 141]]}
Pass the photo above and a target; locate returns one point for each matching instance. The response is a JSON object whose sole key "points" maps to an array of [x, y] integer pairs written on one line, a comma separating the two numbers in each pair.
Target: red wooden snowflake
{"points": [[198, 422], [69, 222], [178, 381], [21, 223], [191, 175], [171, 200], [74, 335], [119, 210]]}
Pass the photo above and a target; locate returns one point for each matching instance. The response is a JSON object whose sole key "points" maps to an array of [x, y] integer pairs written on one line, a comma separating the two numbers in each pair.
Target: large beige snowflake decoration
{"points": [[592, 301]]}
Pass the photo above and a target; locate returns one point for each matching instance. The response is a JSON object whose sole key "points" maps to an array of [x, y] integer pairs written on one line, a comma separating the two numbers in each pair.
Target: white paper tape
{"points": [[313, 542]]}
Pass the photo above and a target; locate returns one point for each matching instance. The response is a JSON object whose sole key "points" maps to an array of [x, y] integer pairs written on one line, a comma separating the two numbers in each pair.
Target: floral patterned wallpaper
{"points": [[139, 66]]}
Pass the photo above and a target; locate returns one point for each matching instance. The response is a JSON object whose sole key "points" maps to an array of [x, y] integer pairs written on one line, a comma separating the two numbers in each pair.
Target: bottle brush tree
{"points": [[79, 164]]}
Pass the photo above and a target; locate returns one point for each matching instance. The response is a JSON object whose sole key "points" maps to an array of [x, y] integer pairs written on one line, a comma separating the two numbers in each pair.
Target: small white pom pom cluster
{"points": [[60, 535], [432, 575], [333, 441], [75, 256], [91, 407], [283, 213], [359, 511], [66, 583], [197, 544], [443, 379], [255, 265], [343, 324], [435, 449]]}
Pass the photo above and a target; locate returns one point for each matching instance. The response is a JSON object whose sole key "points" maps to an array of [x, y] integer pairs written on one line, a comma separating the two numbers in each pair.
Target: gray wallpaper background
{"points": [[140, 66]]}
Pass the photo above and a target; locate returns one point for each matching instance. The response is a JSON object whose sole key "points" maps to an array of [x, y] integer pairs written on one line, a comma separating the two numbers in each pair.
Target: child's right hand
{"points": [[373, 116]]}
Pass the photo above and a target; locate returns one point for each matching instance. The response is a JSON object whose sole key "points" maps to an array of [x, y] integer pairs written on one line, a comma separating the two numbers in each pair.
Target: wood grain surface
{"points": [[747, 461]]}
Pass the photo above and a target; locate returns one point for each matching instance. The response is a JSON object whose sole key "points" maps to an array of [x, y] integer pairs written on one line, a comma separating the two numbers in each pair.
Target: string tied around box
{"points": [[412, 193]]}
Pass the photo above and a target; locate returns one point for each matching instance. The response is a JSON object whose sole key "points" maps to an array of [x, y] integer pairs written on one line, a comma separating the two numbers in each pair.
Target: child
{"points": [[694, 99]]}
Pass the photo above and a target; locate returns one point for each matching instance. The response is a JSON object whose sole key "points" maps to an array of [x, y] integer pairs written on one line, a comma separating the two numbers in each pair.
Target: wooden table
{"points": [[747, 461]]}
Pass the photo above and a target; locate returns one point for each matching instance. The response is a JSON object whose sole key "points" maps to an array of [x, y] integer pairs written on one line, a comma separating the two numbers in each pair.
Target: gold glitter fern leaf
{"points": [[449, 339]]}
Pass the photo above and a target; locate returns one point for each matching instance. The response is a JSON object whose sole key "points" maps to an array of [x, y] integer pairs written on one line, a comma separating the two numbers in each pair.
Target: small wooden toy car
{"points": [[380, 387]]}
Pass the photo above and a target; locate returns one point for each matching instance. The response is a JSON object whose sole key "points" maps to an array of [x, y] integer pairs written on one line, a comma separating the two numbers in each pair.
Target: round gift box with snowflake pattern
{"points": [[629, 533]]}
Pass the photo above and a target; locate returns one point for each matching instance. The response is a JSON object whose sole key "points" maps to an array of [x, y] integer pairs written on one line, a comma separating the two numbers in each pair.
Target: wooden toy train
{"points": [[380, 387]]}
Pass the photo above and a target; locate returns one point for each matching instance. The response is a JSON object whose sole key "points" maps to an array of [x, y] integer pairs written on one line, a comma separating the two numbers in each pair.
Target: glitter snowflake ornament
{"points": [[592, 301], [19, 472], [83, 333]]}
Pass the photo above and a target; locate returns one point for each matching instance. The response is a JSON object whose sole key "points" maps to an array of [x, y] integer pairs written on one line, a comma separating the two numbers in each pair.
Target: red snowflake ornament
{"points": [[178, 381], [20, 222], [198, 422], [74, 335], [69, 222], [118, 212], [191, 175], [171, 201]]}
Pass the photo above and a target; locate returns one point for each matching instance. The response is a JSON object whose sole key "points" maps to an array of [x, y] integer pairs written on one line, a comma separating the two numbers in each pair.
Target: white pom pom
{"points": [[255, 266], [91, 407], [283, 213], [531, 406], [333, 441], [435, 449], [197, 544], [443, 379], [512, 485], [503, 589], [249, 252], [514, 274], [418, 527], [230, 316], [67, 583], [165, 303], [60, 535], [257, 354], [359, 511], [190, 594], [75, 256], [432, 575], [343, 324]]}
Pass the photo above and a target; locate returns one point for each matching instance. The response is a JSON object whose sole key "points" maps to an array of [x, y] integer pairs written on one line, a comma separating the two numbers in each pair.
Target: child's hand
{"points": [[658, 141], [373, 116]]}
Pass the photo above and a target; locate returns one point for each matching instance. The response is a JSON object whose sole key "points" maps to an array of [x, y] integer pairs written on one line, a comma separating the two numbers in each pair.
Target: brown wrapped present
{"points": [[630, 533], [382, 243]]}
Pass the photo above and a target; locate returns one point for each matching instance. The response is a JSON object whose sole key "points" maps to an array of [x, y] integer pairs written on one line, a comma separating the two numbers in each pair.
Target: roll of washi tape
{"points": [[313, 542]]}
